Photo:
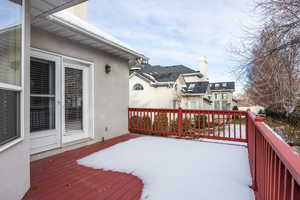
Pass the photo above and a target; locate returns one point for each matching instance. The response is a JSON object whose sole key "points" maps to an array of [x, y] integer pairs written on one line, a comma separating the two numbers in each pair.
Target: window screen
{"points": [[10, 115], [73, 99]]}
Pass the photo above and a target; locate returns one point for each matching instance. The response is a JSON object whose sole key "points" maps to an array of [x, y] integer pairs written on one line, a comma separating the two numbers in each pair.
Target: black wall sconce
{"points": [[107, 69]]}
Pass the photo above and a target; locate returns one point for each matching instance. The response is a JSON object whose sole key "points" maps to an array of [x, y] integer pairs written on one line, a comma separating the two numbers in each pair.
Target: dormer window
{"points": [[191, 86], [138, 86]]}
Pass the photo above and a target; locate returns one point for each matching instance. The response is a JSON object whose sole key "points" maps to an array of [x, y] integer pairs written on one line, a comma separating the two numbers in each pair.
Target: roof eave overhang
{"points": [[130, 53], [40, 9]]}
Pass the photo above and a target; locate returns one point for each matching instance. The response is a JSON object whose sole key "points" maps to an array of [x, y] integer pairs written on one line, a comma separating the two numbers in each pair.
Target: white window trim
{"points": [[18, 88]]}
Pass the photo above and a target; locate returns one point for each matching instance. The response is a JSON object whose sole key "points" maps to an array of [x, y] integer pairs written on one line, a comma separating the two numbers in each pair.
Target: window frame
{"points": [[138, 84], [16, 88]]}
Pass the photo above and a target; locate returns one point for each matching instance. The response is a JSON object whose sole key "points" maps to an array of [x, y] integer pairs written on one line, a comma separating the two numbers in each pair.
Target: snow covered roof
{"points": [[163, 73], [196, 87], [71, 27], [222, 86]]}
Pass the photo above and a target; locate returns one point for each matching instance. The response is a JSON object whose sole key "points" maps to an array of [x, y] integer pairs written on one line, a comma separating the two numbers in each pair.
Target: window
{"points": [[216, 96], [217, 105], [193, 104], [138, 86], [224, 105], [191, 86], [224, 96], [224, 84], [174, 104], [10, 70], [217, 85]]}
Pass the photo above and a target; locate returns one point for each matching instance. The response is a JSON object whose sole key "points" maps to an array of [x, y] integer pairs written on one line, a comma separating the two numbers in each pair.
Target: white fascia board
{"points": [[195, 94]]}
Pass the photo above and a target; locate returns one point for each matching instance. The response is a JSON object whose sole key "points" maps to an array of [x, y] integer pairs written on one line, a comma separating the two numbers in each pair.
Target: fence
{"points": [[211, 124]]}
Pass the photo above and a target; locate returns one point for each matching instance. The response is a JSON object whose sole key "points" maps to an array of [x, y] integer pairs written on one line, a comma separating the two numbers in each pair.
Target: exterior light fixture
{"points": [[107, 69]]}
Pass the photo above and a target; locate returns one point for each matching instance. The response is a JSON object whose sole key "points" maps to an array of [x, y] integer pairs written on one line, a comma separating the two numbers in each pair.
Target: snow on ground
{"points": [[180, 169]]}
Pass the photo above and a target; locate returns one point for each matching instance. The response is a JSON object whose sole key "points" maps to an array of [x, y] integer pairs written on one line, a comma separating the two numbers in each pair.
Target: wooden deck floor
{"points": [[60, 177]]}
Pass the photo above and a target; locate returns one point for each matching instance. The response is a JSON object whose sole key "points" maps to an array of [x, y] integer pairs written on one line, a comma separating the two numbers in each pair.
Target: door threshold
{"points": [[74, 139]]}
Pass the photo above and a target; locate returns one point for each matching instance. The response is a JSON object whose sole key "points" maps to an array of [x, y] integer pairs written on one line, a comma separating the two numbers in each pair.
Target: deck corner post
{"points": [[180, 129]]}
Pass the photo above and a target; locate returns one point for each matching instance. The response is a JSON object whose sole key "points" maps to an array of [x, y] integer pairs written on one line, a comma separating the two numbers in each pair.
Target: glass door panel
{"points": [[42, 98], [73, 100]]}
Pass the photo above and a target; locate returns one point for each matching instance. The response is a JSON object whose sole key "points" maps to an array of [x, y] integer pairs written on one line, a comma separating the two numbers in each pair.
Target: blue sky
{"points": [[174, 32]]}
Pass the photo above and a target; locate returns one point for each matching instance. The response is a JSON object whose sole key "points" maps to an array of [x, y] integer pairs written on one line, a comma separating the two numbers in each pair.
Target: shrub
{"points": [[294, 119], [174, 125], [135, 121], [161, 122], [140, 122], [186, 125], [235, 108], [202, 119], [261, 111]]}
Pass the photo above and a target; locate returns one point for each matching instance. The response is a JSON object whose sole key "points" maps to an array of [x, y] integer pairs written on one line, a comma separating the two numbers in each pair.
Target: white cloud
{"points": [[177, 32]]}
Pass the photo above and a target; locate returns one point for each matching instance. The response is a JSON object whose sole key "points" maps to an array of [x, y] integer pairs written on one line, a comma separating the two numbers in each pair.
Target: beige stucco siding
{"points": [[110, 90], [150, 97]]}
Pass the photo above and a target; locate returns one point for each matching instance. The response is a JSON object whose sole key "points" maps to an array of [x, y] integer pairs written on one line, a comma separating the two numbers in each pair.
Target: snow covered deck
{"points": [[152, 168], [180, 169]]}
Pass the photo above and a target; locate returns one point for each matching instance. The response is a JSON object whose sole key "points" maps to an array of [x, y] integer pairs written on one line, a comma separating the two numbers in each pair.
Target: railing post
{"points": [[248, 126], [254, 156], [180, 129]]}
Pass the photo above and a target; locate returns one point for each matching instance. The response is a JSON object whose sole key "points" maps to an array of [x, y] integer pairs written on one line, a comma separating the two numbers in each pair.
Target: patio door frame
{"points": [[86, 108], [41, 136], [89, 66]]}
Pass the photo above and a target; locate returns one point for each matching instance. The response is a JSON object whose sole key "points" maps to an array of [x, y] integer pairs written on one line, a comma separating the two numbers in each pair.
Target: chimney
{"points": [[203, 66], [80, 10]]}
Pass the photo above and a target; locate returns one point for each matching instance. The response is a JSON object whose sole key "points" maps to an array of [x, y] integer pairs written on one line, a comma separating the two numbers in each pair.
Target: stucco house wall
{"points": [[110, 90], [150, 97], [192, 79], [229, 98], [187, 102], [15, 161]]}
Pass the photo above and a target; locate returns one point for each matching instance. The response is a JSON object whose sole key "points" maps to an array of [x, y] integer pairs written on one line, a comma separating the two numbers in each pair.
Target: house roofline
{"points": [[68, 24], [152, 83]]}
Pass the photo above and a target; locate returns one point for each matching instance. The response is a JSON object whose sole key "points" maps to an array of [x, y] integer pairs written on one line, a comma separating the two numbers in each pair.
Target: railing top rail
{"points": [[289, 156], [187, 110], [153, 109]]}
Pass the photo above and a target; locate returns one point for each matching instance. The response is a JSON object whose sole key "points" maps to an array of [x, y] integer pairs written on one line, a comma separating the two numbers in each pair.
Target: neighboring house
{"points": [[222, 95], [62, 82], [178, 86]]}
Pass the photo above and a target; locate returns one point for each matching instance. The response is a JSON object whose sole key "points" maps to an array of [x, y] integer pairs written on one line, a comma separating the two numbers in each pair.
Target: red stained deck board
{"points": [[59, 177]]}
